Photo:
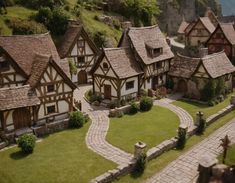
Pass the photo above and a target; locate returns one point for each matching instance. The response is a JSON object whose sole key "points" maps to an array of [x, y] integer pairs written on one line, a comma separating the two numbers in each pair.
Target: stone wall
{"points": [[50, 127]]}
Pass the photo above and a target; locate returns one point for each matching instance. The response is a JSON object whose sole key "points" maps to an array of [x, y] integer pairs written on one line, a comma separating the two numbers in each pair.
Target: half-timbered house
{"points": [[79, 49], [200, 32], [34, 86], [190, 75], [151, 51], [116, 75], [223, 38]]}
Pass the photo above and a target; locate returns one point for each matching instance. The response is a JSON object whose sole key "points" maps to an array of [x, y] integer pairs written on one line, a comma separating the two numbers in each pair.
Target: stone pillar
{"points": [[139, 149], [199, 116], [232, 100], [205, 168], [183, 128]]}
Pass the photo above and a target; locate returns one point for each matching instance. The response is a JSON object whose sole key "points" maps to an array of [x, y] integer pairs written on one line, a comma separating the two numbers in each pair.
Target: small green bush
{"points": [[146, 103], [181, 138], [141, 163], [27, 143], [211, 103], [76, 119], [123, 102], [134, 108]]}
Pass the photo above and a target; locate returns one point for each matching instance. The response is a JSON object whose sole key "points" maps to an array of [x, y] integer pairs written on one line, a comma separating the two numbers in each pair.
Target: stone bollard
{"points": [[139, 149], [218, 170], [232, 100], [199, 116], [205, 168], [183, 128]]}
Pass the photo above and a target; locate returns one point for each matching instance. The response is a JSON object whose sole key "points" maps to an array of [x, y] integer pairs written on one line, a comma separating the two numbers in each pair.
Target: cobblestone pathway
{"points": [[184, 168], [95, 138], [185, 118]]}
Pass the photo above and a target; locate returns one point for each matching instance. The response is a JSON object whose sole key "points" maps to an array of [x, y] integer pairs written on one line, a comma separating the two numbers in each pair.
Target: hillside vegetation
{"points": [[39, 16]]}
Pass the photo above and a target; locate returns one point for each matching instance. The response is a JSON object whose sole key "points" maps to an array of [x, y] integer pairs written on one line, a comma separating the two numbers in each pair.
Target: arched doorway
{"points": [[21, 118], [182, 86], [82, 77]]}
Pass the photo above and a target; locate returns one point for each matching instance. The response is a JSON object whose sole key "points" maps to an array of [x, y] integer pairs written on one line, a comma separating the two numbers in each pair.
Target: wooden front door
{"points": [[155, 83], [107, 92], [82, 77], [21, 118], [182, 86]]}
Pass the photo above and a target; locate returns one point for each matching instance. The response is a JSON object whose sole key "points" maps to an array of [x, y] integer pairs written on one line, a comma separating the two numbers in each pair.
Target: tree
{"points": [[141, 11], [3, 6], [220, 87]]}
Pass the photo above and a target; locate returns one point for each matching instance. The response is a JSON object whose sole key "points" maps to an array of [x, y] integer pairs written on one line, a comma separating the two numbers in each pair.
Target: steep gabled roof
{"points": [[228, 31], [17, 97], [40, 65], [182, 27], [22, 49], [122, 61], [72, 34], [216, 65], [140, 36], [205, 22]]}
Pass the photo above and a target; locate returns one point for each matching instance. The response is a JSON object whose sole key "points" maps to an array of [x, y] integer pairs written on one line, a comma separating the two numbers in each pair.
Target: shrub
{"points": [[134, 108], [141, 163], [116, 24], [209, 90], [201, 127], [113, 104], [211, 103], [220, 86], [181, 138], [99, 38], [123, 102], [76, 119], [25, 27], [146, 103], [27, 143], [96, 97], [143, 92]]}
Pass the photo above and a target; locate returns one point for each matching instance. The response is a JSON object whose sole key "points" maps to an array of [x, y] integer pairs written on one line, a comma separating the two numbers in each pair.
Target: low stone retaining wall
{"points": [[49, 128], [154, 152], [116, 112]]}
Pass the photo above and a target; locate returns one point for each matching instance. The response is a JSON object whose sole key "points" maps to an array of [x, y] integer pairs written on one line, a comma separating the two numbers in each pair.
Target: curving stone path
{"points": [[184, 168], [95, 138], [185, 118]]}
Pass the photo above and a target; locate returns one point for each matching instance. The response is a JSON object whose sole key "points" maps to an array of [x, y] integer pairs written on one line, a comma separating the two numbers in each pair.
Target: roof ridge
{"points": [[147, 27], [15, 87], [120, 48], [30, 35]]}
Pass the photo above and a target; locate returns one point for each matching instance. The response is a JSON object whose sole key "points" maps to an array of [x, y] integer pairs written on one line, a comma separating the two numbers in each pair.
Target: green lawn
{"points": [[230, 159], [159, 163], [194, 107], [151, 127], [60, 158]]}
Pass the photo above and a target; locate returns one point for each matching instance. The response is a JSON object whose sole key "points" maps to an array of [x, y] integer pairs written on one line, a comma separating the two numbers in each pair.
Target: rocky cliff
{"points": [[173, 12]]}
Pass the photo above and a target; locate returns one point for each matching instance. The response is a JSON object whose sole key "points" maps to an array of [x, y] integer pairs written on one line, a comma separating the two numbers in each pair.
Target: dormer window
{"points": [[105, 66], [153, 48]]}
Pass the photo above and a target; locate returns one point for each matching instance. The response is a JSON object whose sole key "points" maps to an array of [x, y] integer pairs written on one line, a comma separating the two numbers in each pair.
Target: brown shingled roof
{"points": [[123, 62], [11, 98], [216, 65], [228, 31], [207, 23], [73, 32], [182, 27], [38, 68], [139, 37], [184, 66], [22, 49]]}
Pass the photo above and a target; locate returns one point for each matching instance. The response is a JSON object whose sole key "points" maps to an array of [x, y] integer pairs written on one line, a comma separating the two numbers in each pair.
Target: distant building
{"points": [[34, 86], [142, 61], [78, 48], [190, 75], [223, 38]]}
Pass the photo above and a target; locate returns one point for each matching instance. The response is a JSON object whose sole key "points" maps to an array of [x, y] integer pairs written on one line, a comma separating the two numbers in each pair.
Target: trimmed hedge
{"points": [[27, 143], [134, 108], [146, 103], [76, 119]]}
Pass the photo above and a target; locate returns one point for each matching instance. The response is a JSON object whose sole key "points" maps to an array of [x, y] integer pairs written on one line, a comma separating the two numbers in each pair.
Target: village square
{"points": [[154, 107]]}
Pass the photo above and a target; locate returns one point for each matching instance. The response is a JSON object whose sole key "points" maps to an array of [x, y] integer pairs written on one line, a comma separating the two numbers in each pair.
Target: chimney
{"points": [[203, 52]]}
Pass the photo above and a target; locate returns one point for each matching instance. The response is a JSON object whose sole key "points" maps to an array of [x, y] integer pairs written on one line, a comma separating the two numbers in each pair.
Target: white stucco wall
{"points": [[133, 90]]}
